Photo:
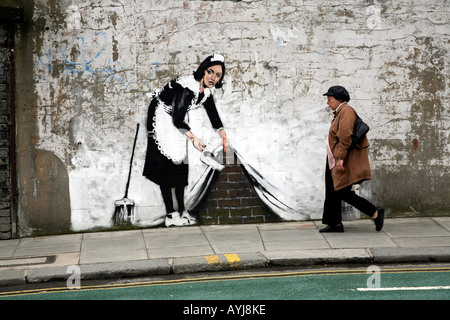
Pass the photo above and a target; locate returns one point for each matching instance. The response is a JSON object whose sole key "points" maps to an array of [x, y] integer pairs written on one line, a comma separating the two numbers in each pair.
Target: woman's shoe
{"points": [[338, 228], [379, 220]]}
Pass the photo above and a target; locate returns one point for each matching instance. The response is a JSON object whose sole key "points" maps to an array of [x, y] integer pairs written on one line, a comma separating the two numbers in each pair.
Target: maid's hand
{"points": [[198, 144]]}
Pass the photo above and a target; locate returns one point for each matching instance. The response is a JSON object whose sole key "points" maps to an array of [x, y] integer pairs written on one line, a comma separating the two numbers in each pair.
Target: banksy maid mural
{"points": [[176, 120], [166, 161]]}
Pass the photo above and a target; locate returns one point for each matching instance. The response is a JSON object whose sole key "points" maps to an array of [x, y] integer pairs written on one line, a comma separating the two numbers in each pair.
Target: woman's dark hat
{"points": [[339, 93]]}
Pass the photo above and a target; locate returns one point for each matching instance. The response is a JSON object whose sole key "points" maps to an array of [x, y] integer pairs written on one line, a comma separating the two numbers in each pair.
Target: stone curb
{"points": [[101, 270], [402, 255], [221, 262], [319, 256]]}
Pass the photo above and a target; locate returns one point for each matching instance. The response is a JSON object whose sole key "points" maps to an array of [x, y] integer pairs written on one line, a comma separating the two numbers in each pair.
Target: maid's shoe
{"points": [[189, 218], [174, 220]]}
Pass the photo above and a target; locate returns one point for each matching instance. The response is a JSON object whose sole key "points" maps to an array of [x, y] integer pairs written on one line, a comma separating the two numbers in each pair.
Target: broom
{"points": [[124, 211]]}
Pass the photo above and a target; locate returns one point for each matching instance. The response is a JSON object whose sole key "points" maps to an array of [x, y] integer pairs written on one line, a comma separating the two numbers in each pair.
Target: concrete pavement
{"points": [[158, 251]]}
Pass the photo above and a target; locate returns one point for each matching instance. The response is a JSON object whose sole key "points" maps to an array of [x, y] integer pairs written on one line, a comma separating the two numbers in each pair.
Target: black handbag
{"points": [[360, 129]]}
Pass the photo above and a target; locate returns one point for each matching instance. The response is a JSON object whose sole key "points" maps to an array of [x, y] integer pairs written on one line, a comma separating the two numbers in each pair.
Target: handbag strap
{"points": [[357, 116]]}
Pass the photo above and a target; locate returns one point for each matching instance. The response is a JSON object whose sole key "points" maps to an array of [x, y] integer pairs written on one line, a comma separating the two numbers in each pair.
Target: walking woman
{"points": [[168, 132], [345, 166]]}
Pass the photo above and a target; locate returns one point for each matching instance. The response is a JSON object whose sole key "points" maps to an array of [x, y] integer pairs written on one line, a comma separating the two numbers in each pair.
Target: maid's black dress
{"points": [[166, 157]]}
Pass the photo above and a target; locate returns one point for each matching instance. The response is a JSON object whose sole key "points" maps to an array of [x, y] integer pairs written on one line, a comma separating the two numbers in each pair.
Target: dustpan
{"points": [[124, 212]]}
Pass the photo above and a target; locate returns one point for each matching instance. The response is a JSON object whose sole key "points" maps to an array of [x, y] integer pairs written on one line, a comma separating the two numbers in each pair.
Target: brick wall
{"points": [[232, 199], [5, 185]]}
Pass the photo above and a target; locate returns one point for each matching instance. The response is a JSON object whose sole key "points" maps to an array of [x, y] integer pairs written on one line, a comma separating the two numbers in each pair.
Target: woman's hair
{"points": [[213, 60]]}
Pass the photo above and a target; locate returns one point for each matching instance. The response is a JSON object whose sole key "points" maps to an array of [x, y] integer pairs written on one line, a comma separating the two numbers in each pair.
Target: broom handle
{"points": [[131, 161]]}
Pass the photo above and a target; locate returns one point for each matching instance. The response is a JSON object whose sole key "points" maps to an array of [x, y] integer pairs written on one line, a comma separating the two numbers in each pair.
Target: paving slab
{"points": [[234, 239], [8, 247], [405, 242], [113, 247], [41, 246], [359, 241], [293, 239], [443, 221], [418, 227], [176, 242]]}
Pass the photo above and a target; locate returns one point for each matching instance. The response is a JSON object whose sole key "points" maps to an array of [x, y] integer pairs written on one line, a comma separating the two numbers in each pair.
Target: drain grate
{"points": [[27, 261]]}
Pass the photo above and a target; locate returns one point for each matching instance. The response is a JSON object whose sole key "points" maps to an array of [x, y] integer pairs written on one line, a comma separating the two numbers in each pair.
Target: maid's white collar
{"points": [[193, 85]]}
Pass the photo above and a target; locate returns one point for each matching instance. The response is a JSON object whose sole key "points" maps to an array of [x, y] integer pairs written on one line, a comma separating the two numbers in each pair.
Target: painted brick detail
{"points": [[232, 199]]}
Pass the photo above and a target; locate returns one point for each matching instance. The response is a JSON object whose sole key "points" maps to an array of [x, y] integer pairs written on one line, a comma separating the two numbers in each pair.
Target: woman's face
{"points": [[333, 103], [212, 75]]}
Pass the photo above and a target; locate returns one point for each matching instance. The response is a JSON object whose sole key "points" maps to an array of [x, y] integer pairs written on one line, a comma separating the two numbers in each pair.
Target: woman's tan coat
{"points": [[356, 160]]}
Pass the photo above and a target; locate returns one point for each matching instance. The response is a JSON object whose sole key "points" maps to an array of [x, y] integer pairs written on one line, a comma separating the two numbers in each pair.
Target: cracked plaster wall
{"points": [[94, 62]]}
